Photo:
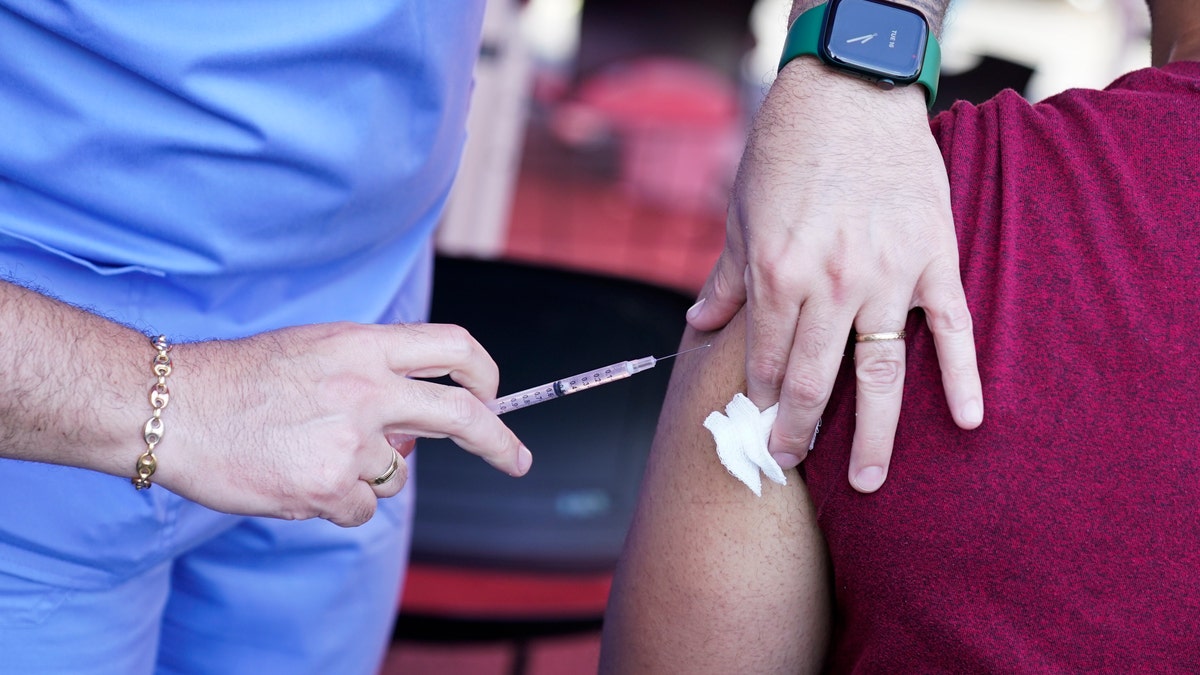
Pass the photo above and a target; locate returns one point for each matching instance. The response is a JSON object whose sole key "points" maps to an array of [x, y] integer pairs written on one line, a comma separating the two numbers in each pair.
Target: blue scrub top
{"points": [[216, 168]]}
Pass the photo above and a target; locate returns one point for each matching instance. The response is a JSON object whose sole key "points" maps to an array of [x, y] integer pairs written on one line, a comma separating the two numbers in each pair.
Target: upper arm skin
{"points": [[714, 579]]}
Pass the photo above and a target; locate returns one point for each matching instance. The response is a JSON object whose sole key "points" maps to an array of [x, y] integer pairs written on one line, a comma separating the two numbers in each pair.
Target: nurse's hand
{"points": [[300, 422], [840, 220]]}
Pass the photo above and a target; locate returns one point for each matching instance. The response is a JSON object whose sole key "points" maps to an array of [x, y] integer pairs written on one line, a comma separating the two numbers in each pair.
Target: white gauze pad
{"points": [[741, 435]]}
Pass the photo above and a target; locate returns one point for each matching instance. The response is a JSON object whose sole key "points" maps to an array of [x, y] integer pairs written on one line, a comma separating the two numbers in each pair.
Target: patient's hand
{"points": [[840, 220]]}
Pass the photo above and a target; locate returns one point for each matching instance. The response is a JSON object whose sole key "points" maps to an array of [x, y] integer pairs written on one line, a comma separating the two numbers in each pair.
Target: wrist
{"points": [[807, 79], [154, 429], [934, 11], [119, 435]]}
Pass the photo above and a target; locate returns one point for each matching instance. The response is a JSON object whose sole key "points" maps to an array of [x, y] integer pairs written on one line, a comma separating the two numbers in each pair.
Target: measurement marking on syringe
{"points": [[576, 383]]}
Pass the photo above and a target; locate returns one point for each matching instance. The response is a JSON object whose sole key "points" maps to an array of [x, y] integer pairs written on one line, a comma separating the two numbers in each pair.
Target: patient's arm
{"points": [[714, 579]]}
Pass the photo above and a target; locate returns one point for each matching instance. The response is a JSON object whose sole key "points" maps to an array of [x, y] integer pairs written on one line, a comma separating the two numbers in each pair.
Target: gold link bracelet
{"points": [[152, 432]]}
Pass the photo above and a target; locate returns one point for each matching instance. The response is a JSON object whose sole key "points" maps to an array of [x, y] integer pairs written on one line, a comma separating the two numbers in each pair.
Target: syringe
{"points": [[577, 383]]}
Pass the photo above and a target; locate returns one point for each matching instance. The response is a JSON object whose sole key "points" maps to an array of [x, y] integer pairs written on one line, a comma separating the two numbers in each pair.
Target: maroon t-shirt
{"points": [[1064, 534]]}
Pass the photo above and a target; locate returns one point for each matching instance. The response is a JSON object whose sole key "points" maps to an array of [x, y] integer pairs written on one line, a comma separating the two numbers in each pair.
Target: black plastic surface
{"points": [[571, 512]]}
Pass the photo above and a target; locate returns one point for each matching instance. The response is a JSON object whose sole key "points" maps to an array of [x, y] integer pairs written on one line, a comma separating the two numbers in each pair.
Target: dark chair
{"points": [[495, 557]]}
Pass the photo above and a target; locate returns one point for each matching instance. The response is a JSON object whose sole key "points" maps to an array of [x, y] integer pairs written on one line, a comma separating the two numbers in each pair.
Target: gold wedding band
{"points": [[880, 337], [391, 470]]}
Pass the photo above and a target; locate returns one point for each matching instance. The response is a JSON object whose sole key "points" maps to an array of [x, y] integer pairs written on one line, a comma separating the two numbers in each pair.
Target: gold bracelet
{"points": [[152, 432]]}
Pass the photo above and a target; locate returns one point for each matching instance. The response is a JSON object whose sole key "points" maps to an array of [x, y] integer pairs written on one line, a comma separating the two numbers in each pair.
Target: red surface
{"points": [[484, 594], [576, 655], [584, 222], [661, 90]]}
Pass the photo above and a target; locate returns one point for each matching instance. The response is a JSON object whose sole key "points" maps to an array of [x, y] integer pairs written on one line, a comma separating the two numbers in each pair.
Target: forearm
{"points": [[73, 386], [293, 423], [714, 579]]}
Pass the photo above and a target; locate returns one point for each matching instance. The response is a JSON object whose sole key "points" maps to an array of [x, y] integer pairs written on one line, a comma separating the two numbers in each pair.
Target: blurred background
{"points": [[604, 138]]}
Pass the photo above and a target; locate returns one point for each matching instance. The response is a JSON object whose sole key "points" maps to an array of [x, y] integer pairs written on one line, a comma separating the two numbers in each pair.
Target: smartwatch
{"points": [[876, 40]]}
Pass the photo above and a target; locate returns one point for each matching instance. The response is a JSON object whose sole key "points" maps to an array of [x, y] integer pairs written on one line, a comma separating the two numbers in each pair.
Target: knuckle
{"points": [[952, 318], [838, 268], [726, 280], [814, 340], [777, 273], [351, 505], [305, 501], [768, 368], [792, 438], [509, 447], [456, 341], [342, 328], [352, 515], [332, 479], [345, 441], [461, 409], [346, 391], [806, 390], [361, 512], [296, 513], [960, 372], [880, 369], [328, 338], [876, 446], [325, 493], [879, 373]]}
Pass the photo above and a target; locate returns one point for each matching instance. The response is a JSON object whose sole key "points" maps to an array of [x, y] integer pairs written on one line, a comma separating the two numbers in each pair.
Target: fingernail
{"points": [[694, 310], [787, 460], [869, 478], [525, 458], [972, 413]]}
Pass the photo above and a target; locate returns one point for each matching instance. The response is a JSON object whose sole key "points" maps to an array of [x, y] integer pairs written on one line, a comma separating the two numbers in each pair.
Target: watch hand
{"points": [[862, 38]]}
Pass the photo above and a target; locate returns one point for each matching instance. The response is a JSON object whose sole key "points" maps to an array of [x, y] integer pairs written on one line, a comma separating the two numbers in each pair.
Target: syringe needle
{"points": [[663, 358]]}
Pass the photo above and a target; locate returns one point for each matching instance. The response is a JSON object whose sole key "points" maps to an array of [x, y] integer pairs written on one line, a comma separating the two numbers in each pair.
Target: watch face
{"points": [[877, 39]]}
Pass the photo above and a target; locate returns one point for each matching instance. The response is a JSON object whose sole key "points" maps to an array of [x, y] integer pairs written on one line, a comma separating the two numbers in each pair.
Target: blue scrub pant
{"points": [[98, 578]]}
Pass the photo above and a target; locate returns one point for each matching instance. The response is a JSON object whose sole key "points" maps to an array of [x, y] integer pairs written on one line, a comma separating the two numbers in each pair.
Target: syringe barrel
{"points": [[569, 385], [524, 399], [595, 378]]}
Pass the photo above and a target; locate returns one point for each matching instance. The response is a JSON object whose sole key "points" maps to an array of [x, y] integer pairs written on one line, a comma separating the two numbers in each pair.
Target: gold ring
{"points": [[391, 470], [880, 337]]}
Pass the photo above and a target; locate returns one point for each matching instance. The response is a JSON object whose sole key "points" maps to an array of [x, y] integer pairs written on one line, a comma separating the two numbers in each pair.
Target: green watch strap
{"points": [[931, 67], [804, 36]]}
